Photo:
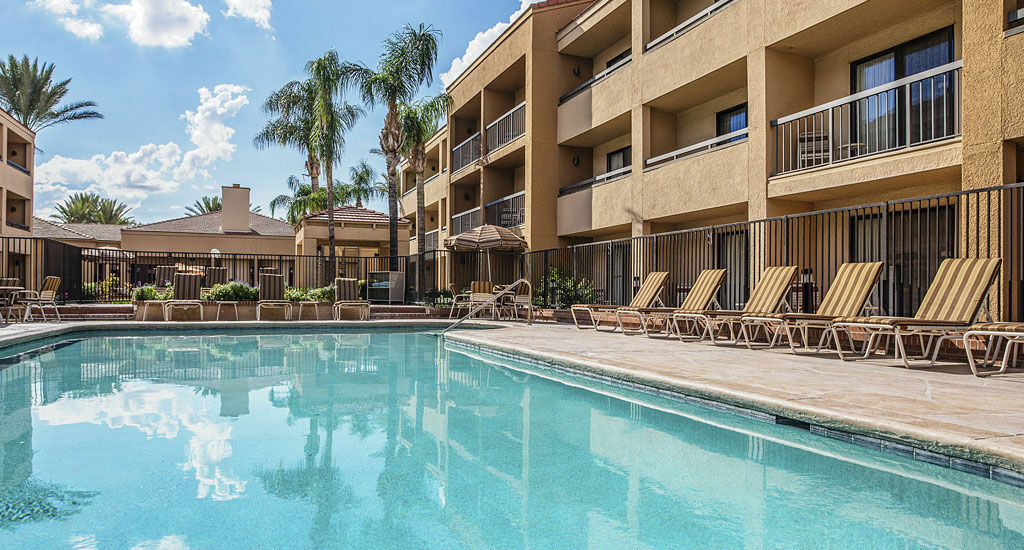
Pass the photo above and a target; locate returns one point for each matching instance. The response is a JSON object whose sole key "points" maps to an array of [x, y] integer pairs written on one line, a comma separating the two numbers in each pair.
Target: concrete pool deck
{"points": [[945, 410]]}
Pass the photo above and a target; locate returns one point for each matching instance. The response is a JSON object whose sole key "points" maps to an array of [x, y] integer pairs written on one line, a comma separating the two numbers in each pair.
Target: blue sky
{"points": [[181, 83]]}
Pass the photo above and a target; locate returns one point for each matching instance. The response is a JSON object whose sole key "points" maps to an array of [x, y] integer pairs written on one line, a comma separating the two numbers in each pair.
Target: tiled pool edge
{"points": [[944, 454]]}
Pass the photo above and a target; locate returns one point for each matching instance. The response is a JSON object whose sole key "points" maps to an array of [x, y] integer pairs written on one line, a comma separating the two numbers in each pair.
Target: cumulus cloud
{"points": [[257, 11], [480, 43], [208, 131], [151, 169], [165, 23], [58, 7], [82, 28]]}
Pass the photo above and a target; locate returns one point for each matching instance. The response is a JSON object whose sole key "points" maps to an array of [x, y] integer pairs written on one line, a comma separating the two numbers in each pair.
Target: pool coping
{"points": [[890, 437]]}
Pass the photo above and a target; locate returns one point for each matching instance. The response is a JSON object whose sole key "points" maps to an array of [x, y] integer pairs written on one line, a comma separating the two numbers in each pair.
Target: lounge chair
{"points": [[847, 297], [952, 304], [215, 276], [700, 298], [768, 297], [271, 296], [346, 296], [997, 335], [164, 275], [46, 297], [646, 296], [460, 300], [185, 295]]}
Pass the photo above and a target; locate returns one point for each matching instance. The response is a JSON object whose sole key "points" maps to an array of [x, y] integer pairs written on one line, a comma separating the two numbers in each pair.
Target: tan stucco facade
{"points": [[351, 239], [17, 167], [689, 60]]}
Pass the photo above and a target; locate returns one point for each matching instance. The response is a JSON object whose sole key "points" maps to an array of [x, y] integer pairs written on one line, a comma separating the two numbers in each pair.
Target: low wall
{"points": [[246, 312]]}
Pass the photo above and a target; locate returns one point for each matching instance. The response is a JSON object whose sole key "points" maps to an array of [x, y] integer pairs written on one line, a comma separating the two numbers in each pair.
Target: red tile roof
{"points": [[547, 3], [210, 224], [353, 214]]}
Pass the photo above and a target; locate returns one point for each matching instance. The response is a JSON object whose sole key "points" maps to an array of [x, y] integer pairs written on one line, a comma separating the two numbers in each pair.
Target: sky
{"points": [[181, 82]]}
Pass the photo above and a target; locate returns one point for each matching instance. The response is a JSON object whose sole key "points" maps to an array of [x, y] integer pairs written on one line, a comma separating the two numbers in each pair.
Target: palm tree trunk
{"points": [[421, 234], [392, 209], [313, 169], [331, 262]]}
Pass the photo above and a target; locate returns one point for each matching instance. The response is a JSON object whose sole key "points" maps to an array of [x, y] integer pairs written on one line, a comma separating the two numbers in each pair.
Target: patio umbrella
{"points": [[486, 238]]}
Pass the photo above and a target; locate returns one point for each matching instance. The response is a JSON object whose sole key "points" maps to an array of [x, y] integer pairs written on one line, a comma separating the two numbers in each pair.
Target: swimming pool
{"points": [[397, 439]]}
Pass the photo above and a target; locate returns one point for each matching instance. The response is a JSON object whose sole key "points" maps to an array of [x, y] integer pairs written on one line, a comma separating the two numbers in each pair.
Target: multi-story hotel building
{"points": [[17, 154], [593, 120]]}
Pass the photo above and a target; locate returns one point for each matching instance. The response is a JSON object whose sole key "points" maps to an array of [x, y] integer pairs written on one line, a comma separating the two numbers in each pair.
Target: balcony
{"points": [[697, 148], [688, 25], [599, 77], [465, 221], [430, 240], [508, 128], [920, 109], [466, 153], [18, 167], [595, 181], [507, 211]]}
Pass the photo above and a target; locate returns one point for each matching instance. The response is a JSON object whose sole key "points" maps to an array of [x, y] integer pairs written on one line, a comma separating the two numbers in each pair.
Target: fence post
{"points": [[544, 279]]}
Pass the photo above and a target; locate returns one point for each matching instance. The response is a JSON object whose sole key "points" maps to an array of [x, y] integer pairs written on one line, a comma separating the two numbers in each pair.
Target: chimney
{"points": [[234, 216]]}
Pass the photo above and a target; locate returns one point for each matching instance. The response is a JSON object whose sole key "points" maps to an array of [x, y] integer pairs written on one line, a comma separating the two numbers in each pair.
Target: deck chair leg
{"points": [[789, 335]]}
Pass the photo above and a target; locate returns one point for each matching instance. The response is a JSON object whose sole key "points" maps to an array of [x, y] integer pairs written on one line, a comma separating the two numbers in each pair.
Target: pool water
{"points": [[400, 440]]}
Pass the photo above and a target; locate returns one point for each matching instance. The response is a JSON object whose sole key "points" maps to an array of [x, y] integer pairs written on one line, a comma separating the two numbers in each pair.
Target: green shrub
{"points": [[232, 292], [439, 297], [150, 293], [293, 294], [563, 290], [110, 290], [325, 294]]}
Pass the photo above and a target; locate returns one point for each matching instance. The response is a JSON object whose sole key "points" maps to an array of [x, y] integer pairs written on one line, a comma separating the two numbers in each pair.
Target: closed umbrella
{"points": [[487, 238]]}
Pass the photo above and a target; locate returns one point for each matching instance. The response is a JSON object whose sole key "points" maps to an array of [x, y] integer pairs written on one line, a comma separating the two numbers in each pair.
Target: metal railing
{"points": [[431, 178], [18, 167], [465, 221], [688, 25], [596, 180], [510, 289], [595, 79], [509, 127], [431, 240], [697, 148], [912, 111], [466, 153], [507, 211]]}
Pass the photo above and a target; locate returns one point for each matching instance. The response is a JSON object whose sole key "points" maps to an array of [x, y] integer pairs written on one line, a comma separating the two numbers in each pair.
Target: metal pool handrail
{"points": [[494, 298]]}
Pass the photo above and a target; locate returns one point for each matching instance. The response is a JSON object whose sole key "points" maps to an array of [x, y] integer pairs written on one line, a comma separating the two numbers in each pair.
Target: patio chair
{"points": [[185, 295], [952, 304], [46, 297], [700, 298], [271, 296], [994, 336], [847, 297], [215, 276], [646, 296], [460, 300], [346, 296], [769, 296], [164, 275]]}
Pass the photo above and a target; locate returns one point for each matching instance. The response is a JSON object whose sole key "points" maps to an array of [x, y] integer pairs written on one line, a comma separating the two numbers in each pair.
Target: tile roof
{"points": [[50, 230], [353, 214], [98, 231], [547, 3], [210, 224]]}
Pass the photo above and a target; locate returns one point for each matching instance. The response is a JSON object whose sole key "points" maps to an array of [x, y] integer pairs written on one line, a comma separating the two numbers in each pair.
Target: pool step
{"points": [[385, 312]]}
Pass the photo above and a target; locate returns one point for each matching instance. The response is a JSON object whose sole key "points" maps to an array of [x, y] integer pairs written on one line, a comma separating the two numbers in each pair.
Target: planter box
{"points": [[246, 312]]}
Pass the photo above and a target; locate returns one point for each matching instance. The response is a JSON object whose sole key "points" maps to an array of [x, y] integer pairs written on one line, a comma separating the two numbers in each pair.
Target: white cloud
{"points": [[58, 7], [166, 23], [257, 11], [480, 43], [208, 131], [82, 28], [152, 169]]}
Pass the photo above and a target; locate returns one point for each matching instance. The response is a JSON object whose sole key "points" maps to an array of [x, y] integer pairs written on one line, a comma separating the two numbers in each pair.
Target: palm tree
{"points": [[304, 200], [78, 208], [204, 205], [364, 185], [333, 120], [293, 106], [113, 212], [28, 92], [420, 121], [406, 63]]}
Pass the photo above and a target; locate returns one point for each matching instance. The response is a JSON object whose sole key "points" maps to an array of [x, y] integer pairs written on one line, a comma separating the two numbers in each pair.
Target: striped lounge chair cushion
{"points": [[770, 290], [271, 287], [186, 286], [346, 290]]}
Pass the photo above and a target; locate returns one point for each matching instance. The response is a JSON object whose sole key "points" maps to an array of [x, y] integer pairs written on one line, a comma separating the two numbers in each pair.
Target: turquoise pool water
{"points": [[390, 440]]}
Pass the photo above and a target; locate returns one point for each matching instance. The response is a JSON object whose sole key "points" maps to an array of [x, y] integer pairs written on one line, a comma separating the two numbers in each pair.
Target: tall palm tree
{"points": [[364, 185], [406, 64], [28, 92], [304, 200], [420, 120], [293, 107], [77, 208], [113, 212], [333, 119]]}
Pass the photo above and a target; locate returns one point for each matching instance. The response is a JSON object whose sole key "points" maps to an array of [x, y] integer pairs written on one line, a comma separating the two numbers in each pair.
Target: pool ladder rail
{"points": [[504, 292]]}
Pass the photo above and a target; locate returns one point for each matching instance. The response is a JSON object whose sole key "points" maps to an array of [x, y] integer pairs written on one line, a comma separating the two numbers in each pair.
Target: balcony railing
{"points": [[17, 167], [409, 191], [425, 182], [595, 79], [912, 111], [697, 148], [466, 153], [465, 221], [1015, 22], [430, 240], [17, 225], [595, 181], [507, 211], [689, 24], [506, 129]]}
